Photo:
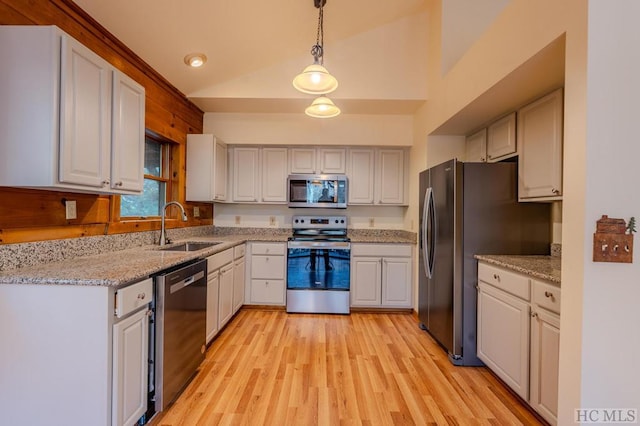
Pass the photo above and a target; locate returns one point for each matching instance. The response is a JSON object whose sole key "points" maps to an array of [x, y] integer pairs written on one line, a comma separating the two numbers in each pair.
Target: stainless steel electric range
{"points": [[319, 265]]}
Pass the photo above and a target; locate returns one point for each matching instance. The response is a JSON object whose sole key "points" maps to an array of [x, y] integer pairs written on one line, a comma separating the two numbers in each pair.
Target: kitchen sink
{"points": [[190, 246]]}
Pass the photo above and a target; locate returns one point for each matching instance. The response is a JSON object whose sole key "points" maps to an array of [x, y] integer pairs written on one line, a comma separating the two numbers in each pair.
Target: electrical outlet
{"points": [[371, 222], [272, 220], [237, 220], [70, 210], [196, 211]]}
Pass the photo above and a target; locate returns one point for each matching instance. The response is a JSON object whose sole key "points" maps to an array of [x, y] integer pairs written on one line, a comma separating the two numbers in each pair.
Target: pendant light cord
{"points": [[318, 49]]}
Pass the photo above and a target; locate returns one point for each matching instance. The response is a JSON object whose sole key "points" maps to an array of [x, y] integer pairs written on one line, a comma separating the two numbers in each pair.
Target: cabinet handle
{"points": [[490, 156], [266, 259], [105, 182], [141, 296], [548, 294], [555, 191], [534, 314], [149, 313], [496, 277], [118, 183], [266, 282], [484, 160]]}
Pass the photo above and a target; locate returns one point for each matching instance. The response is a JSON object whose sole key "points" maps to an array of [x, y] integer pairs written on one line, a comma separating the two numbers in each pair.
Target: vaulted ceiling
{"points": [[376, 49]]}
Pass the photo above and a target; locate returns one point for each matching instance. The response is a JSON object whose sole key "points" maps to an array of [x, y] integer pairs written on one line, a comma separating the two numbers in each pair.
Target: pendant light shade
{"points": [[322, 107], [315, 80]]}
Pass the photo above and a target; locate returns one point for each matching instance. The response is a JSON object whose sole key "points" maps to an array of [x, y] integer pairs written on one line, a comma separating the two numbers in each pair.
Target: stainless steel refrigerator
{"points": [[468, 209]]}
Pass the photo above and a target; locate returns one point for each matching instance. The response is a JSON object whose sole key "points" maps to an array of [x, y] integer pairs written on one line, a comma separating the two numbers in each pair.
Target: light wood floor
{"points": [[273, 368]]}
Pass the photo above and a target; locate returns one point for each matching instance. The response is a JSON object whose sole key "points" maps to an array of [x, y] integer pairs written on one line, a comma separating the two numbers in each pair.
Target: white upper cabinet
{"points": [[71, 121], [476, 147], [540, 139], [391, 176], [317, 160], [360, 170], [274, 175], [128, 125], [331, 161], [303, 160], [246, 174], [206, 168], [501, 138]]}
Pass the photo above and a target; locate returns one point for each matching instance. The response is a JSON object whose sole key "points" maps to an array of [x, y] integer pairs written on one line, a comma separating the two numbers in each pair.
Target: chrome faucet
{"points": [[163, 233]]}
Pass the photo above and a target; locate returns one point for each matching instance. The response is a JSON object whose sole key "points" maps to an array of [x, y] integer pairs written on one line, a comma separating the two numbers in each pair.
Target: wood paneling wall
{"points": [[34, 215]]}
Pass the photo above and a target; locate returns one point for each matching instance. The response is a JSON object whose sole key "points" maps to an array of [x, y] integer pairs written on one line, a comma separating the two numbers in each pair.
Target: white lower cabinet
{"points": [[213, 287], [225, 300], [519, 335], [219, 291], [130, 365], [381, 275], [267, 267], [238, 276]]}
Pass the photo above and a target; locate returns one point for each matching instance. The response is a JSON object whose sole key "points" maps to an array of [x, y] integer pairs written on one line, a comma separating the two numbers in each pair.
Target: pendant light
{"points": [[322, 107], [315, 79]]}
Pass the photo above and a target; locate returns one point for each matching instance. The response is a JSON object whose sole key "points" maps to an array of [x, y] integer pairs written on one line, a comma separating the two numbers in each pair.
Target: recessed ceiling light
{"points": [[195, 60]]}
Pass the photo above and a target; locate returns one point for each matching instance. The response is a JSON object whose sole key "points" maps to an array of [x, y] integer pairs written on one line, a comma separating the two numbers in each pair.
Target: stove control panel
{"points": [[319, 222]]}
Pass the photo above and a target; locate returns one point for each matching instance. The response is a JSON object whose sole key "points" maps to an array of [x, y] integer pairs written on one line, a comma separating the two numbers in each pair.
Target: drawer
{"points": [[238, 251], [267, 267], [381, 250], [268, 248], [218, 260], [546, 295], [270, 292], [511, 282], [130, 298]]}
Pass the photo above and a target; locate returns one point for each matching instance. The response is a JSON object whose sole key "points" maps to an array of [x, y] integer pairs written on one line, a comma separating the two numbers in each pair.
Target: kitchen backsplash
{"points": [[21, 255]]}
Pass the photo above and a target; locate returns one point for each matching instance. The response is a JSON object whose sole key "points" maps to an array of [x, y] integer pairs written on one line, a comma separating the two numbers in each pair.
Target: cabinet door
{"points": [[391, 178], [274, 175], [213, 286], [360, 168], [501, 138], [396, 282], [220, 161], [127, 147], [540, 139], [267, 292], [246, 172], [130, 362], [503, 337], [225, 303], [238, 283], [332, 161], [200, 168], [303, 160], [476, 147], [366, 281], [85, 114], [545, 353]]}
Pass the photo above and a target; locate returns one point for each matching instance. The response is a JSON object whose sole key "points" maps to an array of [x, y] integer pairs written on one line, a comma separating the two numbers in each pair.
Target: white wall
{"points": [[611, 334]]}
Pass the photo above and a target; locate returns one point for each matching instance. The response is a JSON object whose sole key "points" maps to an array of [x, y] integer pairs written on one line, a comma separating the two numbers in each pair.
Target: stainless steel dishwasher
{"points": [[180, 332]]}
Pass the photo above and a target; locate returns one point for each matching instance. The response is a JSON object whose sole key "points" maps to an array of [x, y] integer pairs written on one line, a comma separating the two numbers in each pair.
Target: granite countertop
{"points": [[114, 268], [543, 267]]}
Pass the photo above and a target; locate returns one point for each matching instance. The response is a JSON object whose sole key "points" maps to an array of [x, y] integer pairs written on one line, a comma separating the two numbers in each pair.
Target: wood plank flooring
{"points": [[268, 367]]}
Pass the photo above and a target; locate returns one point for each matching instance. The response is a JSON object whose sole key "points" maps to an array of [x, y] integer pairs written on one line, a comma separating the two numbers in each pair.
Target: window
{"points": [[156, 179]]}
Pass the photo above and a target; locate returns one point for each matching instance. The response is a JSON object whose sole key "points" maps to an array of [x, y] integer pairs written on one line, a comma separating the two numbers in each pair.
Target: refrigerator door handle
{"points": [[428, 221]]}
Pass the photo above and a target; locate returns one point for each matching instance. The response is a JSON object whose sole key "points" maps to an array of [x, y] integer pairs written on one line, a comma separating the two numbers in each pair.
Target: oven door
{"points": [[318, 265], [318, 274]]}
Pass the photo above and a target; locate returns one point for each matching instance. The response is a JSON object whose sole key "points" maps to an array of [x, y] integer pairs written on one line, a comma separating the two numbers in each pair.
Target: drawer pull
{"points": [[496, 277], [534, 314], [549, 295], [141, 296]]}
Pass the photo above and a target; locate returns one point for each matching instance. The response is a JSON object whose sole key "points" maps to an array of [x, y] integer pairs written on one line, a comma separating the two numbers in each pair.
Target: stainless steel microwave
{"points": [[320, 191]]}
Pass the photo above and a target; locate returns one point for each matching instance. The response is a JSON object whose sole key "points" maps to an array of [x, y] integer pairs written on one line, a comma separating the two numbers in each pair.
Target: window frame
{"points": [[168, 155]]}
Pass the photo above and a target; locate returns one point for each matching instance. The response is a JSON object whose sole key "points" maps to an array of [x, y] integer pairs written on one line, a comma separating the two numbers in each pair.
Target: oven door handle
{"points": [[341, 245]]}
